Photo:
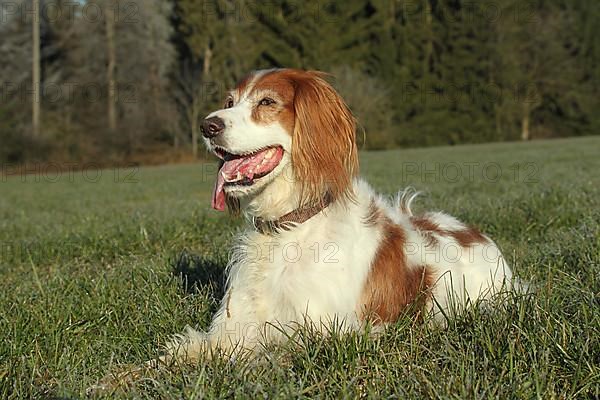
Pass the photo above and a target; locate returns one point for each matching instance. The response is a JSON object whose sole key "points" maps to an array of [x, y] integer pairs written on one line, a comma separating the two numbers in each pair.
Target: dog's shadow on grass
{"points": [[200, 274]]}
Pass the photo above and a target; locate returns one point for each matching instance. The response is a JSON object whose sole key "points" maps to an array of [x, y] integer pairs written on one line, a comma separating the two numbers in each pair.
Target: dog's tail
{"points": [[405, 198]]}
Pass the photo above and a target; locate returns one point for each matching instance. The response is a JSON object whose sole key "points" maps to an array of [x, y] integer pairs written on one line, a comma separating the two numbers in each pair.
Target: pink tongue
{"points": [[218, 199], [247, 167]]}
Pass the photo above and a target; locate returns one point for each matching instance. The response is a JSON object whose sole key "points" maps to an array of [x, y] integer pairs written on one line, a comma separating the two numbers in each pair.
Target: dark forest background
{"points": [[116, 81]]}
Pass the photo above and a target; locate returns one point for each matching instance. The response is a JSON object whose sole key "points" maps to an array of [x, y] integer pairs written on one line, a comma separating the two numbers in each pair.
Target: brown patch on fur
{"points": [[427, 228], [465, 237], [276, 86], [243, 83], [324, 152], [392, 287], [468, 237], [374, 214], [425, 224]]}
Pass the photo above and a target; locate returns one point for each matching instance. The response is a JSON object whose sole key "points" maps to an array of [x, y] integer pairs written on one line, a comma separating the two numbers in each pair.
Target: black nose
{"points": [[212, 127]]}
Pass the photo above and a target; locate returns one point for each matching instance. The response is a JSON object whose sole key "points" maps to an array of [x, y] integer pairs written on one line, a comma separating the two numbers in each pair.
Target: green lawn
{"points": [[100, 272]]}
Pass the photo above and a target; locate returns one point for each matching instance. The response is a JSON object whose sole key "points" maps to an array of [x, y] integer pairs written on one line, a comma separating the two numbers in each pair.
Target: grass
{"points": [[100, 269]]}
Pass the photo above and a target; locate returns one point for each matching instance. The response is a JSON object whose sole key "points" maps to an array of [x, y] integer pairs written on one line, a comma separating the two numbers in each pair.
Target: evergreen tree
{"points": [[414, 73], [537, 45]]}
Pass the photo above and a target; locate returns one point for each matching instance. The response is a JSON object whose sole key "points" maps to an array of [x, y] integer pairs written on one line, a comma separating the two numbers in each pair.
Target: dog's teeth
{"points": [[269, 154]]}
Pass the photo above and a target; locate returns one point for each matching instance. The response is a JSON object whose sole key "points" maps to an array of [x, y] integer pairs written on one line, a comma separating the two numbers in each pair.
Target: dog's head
{"points": [[283, 127]]}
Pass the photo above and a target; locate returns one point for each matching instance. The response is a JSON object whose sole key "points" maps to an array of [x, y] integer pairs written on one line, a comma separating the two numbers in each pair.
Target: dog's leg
{"points": [[234, 329], [186, 348]]}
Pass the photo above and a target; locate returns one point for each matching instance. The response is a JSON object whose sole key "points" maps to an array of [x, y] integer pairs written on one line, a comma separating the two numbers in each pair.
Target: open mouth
{"points": [[243, 170]]}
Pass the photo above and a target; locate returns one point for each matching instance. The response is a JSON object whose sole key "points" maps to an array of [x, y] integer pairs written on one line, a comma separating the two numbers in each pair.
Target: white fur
{"points": [[272, 287]]}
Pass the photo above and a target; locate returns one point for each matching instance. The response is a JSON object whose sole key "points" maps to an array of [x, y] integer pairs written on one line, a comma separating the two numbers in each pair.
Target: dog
{"points": [[321, 247]]}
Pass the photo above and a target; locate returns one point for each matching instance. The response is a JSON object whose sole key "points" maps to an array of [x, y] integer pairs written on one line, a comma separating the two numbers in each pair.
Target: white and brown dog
{"points": [[322, 247]]}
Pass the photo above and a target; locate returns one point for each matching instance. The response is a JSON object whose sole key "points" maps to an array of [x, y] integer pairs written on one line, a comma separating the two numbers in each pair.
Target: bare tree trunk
{"points": [[197, 98], [195, 139], [497, 121], [497, 109], [428, 45], [207, 60], [36, 98], [525, 135], [195, 125], [112, 62]]}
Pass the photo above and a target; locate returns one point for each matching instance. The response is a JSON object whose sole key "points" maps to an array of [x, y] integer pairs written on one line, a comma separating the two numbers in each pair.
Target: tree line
{"points": [[111, 80]]}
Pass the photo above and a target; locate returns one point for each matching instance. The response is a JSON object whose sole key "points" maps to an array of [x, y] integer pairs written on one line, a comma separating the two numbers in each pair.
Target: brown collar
{"points": [[289, 220]]}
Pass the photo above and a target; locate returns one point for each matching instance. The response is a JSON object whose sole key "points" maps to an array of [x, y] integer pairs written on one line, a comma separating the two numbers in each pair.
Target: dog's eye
{"points": [[229, 103], [267, 101]]}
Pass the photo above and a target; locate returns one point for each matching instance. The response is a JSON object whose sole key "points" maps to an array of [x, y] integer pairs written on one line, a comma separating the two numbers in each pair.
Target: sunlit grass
{"points": [[100, 272]]}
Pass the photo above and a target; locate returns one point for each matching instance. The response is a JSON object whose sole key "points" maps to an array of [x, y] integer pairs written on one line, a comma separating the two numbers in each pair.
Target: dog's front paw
{"points": [[121, 379], [188, 347], [124, 377]]}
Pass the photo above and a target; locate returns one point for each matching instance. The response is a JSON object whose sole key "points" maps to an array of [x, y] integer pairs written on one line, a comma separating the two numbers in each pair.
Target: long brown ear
{"points": [[324, 153]]}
